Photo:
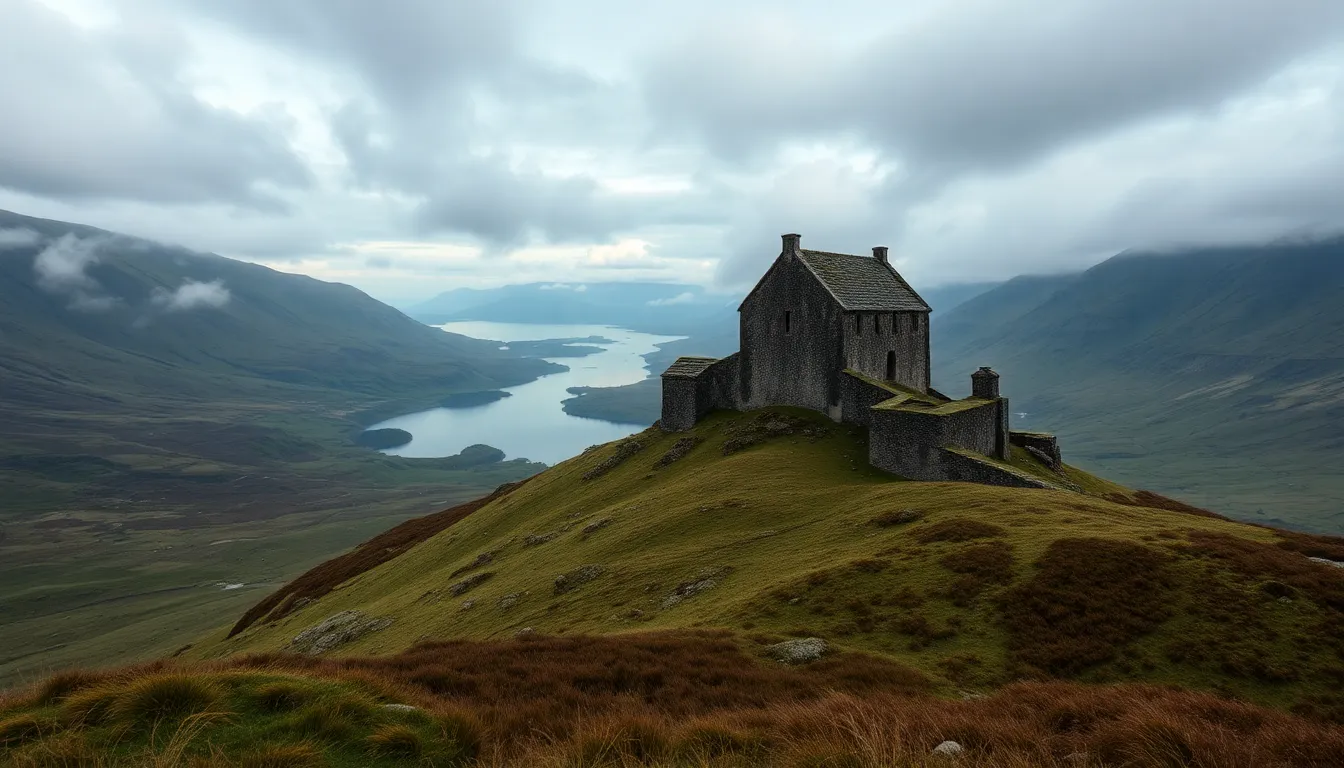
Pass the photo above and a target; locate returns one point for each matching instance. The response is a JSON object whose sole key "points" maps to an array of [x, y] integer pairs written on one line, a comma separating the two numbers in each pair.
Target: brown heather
{"points": [[702, 699]]}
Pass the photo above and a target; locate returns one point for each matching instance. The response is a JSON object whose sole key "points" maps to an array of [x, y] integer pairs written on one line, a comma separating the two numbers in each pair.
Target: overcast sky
{"points": [[411, 146]]}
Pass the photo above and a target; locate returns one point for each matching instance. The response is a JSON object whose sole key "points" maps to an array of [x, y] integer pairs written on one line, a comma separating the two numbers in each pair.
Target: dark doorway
{"points": [[787, 321], [891, 366]]}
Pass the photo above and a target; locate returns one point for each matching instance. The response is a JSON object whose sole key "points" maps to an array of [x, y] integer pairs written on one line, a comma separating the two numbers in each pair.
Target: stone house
{"points": [[847, 336]]}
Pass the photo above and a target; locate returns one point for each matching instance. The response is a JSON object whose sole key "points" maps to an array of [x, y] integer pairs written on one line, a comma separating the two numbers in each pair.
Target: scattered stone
{"points": [[1326, 561], [525, 632], [568, 582], [678, 450], [624, 450], [707, 579], [471, 582], [336, 630], [534, 539], [971, 695], [508, 601], [301, 602], [483, 559], [799, 651], [770, 425], [401, 708], [468, 605], [948, 748], [594, 526]]}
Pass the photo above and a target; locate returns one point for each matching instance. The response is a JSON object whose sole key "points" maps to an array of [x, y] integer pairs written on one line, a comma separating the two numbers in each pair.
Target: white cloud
{"points": [[193, 295], [18, 238], [685, 297], [580, 288]]}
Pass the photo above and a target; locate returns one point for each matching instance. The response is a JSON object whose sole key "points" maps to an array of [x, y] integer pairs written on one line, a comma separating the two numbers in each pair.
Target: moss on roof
{"points": [[907, 393], [933, 408]]}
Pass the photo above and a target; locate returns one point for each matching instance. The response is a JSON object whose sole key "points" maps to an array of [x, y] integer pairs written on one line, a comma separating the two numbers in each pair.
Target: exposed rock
{"points": [[799, 651], [678, 450], [770, 425], [336, 630], [707, 579], [467, 605], [624, 450], [594, 526], [483, 559], [534, 539], [401, 708], [567, 582], [508, 601], [1326, 561], [471, 582], [948, 748], [525, 632]]}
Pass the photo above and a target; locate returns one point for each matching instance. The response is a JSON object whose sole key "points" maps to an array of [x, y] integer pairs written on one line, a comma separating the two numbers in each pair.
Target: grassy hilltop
{"points": [[627, 607]]}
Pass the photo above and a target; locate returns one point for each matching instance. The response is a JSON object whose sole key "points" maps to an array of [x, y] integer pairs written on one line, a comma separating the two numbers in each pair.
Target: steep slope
{"points": [[1216, 375], [771, 524]]}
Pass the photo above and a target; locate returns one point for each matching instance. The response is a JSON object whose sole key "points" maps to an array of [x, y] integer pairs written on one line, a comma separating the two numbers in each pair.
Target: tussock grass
{"points": [[842, 711]]}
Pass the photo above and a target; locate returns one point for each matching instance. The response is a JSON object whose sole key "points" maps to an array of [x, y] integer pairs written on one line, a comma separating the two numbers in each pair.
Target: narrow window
{"points": [[858, 325], [915, 322], [787, 321], [877, 325], [895, 323], [891, 366]]}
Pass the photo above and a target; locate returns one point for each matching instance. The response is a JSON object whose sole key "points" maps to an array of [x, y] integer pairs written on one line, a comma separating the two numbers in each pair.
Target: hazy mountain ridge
{"points": [[1218, 373]]}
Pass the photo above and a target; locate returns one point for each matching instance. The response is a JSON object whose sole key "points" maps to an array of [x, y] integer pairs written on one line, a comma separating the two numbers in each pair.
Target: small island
{"points": [[472, 456], [472, 399], [382, 439]]}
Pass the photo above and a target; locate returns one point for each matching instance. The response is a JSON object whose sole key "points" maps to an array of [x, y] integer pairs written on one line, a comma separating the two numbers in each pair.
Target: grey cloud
{"points": [[379, 262], [18, 238], [62, 269], [191, 295], [103, 115], [985, 86]]}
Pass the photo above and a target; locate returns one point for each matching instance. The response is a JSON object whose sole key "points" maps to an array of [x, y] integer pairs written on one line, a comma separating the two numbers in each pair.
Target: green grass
{"points": [[218, 718], [779, 539]]}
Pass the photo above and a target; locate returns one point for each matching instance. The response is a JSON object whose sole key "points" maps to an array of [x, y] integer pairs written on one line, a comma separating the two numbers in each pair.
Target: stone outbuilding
{"points": [[847, 336]]}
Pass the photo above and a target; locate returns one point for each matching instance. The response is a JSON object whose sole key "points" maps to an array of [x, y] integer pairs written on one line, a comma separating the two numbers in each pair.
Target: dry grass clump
{"points": [[395, 741], [896, 517], [367, 556], [280, 697], [958, 529], [163, 696], [1158, 501], [300, 755], [1088, 599]]}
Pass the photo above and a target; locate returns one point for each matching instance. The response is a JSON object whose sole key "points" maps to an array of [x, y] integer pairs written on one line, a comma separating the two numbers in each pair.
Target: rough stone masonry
{"points": [[847, 336]]}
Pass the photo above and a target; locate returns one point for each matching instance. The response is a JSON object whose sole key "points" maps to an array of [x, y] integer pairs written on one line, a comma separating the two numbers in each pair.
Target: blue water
{"points": [[530, 423]]}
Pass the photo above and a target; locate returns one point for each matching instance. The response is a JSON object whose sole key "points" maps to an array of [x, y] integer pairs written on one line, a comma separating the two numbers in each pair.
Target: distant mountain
{"points": [[1215, 374], [651, 307], [89, 318]]}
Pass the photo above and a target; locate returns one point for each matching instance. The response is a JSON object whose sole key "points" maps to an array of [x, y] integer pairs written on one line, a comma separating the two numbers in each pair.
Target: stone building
{"points": [[846, 335]]}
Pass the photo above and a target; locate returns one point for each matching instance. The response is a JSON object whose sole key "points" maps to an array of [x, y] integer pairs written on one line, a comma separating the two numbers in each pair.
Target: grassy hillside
{"points": [[169, 456], [1213, 375], [770, 525]]}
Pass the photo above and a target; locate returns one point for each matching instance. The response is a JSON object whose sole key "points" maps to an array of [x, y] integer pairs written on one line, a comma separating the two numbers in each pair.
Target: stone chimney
{"points": [[985, 384], [793, 244], [880, 253]]}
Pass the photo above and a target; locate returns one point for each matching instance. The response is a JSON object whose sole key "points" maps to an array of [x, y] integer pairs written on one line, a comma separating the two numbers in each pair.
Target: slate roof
{"points": [[688, 367], [862, 283]]}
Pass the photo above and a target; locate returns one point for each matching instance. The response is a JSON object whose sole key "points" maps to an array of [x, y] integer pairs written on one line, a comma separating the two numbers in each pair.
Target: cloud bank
{"points": [[192, 295]]}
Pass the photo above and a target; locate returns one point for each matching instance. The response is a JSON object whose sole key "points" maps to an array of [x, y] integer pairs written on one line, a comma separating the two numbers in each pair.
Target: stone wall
{"points": [[971, 469], [798, 366], [904, 333], [910, 443], [857, 398], [679, 406], [1043, 445], [687, 399]]}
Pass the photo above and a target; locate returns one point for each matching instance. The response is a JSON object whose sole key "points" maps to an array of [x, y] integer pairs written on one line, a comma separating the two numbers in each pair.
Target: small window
{"points": [[891, 366], [858, 325], [877, 325], [788, 321], [895, 323], [915, 322]]}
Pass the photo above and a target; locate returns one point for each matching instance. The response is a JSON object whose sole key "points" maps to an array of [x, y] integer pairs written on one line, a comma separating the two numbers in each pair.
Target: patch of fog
{"points": [[1222, 388]]}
